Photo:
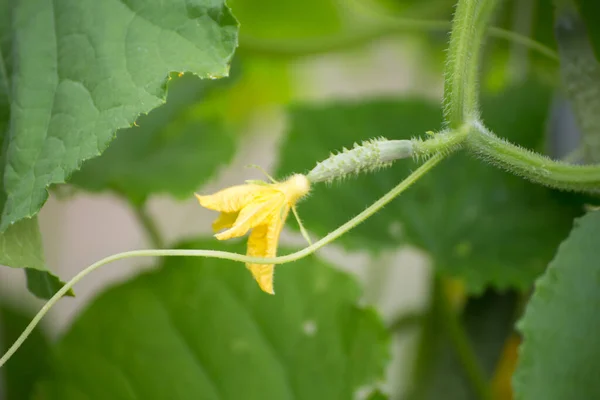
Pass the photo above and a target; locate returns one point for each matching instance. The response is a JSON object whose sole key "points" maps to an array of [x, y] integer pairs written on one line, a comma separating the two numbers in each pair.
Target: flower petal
{"points": [[235, 198], [254, 214], [263, 242], [225, 220]]}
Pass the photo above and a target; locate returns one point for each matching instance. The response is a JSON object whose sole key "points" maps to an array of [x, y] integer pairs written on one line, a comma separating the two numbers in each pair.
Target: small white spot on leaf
{"points": [[309, 328]]}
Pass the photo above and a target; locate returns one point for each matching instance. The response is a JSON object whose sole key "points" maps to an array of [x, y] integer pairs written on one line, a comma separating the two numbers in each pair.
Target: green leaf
{"points": [[21, 247], [81, 69], [173, 150], [202, 329], [478, 223], [27, 365], [44, 284], [21, 243], [488, 322], [560, 355]]}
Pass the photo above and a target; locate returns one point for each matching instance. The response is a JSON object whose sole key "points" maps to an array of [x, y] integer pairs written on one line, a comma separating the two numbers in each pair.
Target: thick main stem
{"points": [[530, 165], [461, 100]]}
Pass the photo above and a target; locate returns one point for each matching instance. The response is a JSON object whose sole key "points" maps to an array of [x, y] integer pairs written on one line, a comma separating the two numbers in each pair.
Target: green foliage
{"points": [[75, 74], [44, 284], [439, 372], [80, 70], [478, 223], [174, 149], [21, 243], [21, 247], [203, 329], [560, 355], [504, 60], [263, 18], [22, 371]]}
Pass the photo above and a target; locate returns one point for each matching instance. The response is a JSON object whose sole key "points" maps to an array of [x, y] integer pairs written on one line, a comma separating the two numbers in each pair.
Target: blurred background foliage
{"points": [[201, 329]]}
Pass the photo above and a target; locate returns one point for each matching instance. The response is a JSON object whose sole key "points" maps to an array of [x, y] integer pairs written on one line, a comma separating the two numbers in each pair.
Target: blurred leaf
{"points": [[263, 83], [488, 322], [287, 19], [581, 77], [505, 61], [479, 223], [82, 69], [27, 365], [173, 150], [560, 355], [377, 395], [202, 329]]}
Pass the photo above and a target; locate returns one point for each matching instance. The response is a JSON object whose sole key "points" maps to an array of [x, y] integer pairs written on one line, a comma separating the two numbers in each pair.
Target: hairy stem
{"points": [[530, 165], [369, 211], [460, 76]]}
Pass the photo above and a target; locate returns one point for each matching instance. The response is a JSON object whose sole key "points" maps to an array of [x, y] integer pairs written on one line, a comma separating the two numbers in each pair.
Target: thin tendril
{"points": [[261, 169], [372, 209], [301, 225], [303, 48]]}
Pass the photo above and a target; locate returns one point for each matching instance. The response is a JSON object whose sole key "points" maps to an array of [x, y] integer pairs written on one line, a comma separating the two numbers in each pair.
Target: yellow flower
{"points": [[262, 208]]}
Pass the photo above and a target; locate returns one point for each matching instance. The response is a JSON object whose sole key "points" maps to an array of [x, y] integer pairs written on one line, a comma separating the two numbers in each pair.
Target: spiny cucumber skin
{"points": [[369, 156]]}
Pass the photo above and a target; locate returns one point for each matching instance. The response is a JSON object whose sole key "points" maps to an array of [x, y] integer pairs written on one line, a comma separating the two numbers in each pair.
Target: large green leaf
{"points": [[174, 149], [560, 355], [81, 69], [21, 243], [478, 223], [202, 329], [24, 368]]}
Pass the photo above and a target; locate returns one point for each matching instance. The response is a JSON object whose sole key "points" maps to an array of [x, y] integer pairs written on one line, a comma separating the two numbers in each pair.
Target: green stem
{"points": [[276, 48], [530, 165], [460, 76], [444, 142], [460, 341], [369, 211], [149, 225]]}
